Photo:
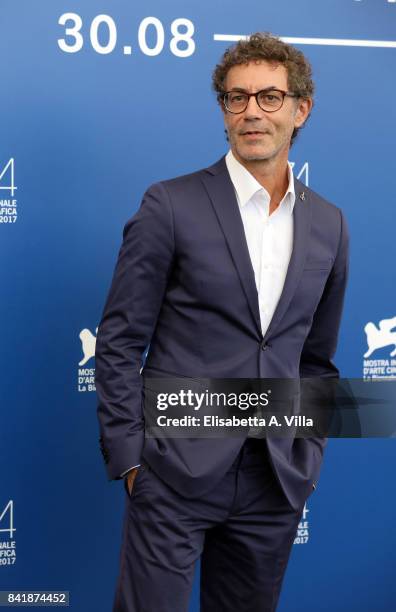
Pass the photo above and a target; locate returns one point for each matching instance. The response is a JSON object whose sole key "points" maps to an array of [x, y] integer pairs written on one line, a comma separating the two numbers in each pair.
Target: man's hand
{"points": [[130, 477]]}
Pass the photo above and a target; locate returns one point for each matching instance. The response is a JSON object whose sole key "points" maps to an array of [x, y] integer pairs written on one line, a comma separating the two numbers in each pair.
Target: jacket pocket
{"points": [[322, 264]]}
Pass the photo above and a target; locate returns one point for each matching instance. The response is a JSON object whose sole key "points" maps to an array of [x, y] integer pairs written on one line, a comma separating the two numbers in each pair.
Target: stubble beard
{"points": [[254, 156], [242, 151]]}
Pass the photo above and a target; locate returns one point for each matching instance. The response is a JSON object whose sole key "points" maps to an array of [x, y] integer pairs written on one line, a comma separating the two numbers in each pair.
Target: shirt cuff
{"points": [[128, 470]]}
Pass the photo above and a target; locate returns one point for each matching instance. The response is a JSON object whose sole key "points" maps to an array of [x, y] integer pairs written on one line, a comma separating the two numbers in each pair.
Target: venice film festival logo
{"points": [[302, 535], [86, 375], [381, 336], [8, 206], [7, 542]]}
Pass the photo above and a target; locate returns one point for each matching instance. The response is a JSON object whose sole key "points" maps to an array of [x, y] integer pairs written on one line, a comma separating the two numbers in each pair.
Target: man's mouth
{"points": [[253, 133]]}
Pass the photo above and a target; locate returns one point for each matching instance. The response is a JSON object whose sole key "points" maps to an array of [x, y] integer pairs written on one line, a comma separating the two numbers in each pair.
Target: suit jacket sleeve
{"points": [[127, 324], [321, 343]]}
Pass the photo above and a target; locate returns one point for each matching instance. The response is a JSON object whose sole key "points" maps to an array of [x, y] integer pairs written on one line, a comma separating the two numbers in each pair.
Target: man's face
{"points": [[256, 134]]}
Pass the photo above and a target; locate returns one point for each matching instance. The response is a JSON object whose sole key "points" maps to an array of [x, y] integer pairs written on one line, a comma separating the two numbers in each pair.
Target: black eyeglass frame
{"points": [[223, 97]]}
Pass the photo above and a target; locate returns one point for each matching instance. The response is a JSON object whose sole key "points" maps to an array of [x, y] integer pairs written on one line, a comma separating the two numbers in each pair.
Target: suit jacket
{"points": [[184, 284]]}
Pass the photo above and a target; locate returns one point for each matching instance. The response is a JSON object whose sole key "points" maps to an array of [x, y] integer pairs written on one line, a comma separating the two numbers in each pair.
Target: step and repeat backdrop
{"points": [[99, 99]]}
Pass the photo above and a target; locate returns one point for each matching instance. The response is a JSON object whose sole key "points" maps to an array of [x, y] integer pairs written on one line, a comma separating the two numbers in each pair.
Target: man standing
{"points": [[235, 271]]}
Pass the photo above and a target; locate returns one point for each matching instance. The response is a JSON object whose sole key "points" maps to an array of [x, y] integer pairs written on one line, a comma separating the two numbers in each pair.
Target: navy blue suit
{"points": [[184, 284]]}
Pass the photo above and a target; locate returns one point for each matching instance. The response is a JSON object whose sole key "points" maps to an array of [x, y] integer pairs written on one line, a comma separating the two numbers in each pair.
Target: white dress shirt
{"points": [[269, 237]]}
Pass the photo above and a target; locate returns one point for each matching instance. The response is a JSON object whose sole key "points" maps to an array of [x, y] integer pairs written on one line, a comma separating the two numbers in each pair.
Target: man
{"points": [[235, 271]]}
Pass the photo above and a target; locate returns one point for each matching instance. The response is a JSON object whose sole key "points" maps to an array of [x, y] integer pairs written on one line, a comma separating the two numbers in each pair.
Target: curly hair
{"points": [[265, 46]]}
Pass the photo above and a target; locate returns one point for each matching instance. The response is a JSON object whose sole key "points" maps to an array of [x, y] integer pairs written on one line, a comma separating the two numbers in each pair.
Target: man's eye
{"points": [[271, 98], [237, 98]]}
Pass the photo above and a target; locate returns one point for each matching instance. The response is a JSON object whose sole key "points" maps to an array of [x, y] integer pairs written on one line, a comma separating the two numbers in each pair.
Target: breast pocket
{"points": [[319, 264], [312, 283]]}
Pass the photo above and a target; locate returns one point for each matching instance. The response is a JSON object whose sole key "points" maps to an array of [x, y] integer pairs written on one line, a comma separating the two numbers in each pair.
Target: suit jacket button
{"points": [[264, 346]]}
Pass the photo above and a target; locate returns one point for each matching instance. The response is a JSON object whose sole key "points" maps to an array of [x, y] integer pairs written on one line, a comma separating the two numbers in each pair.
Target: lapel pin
{"points": [[302, 196]]}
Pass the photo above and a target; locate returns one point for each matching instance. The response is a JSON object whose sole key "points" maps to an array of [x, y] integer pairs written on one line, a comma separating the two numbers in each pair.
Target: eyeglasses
{"points": [[269, 100]]}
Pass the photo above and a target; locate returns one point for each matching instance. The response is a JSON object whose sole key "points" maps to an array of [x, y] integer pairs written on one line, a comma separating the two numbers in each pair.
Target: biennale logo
{"points": [[302, 535], [86, 376], [88, 344], [7, 545], [379, 338], [8, 206]]}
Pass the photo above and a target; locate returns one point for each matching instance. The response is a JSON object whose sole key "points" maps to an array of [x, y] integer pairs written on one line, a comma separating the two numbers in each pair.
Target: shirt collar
{"points": [[246, 186]]}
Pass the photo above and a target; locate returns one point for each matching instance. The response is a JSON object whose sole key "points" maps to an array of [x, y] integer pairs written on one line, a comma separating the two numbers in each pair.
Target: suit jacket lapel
{"points": [[221, 192]]}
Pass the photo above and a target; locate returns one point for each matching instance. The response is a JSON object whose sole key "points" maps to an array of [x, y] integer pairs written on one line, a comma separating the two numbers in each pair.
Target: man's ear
{"points": [[303, 110]]}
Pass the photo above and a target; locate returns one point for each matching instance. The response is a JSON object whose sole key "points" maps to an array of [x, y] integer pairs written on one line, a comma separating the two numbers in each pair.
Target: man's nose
{"points": [[253, 110]]}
